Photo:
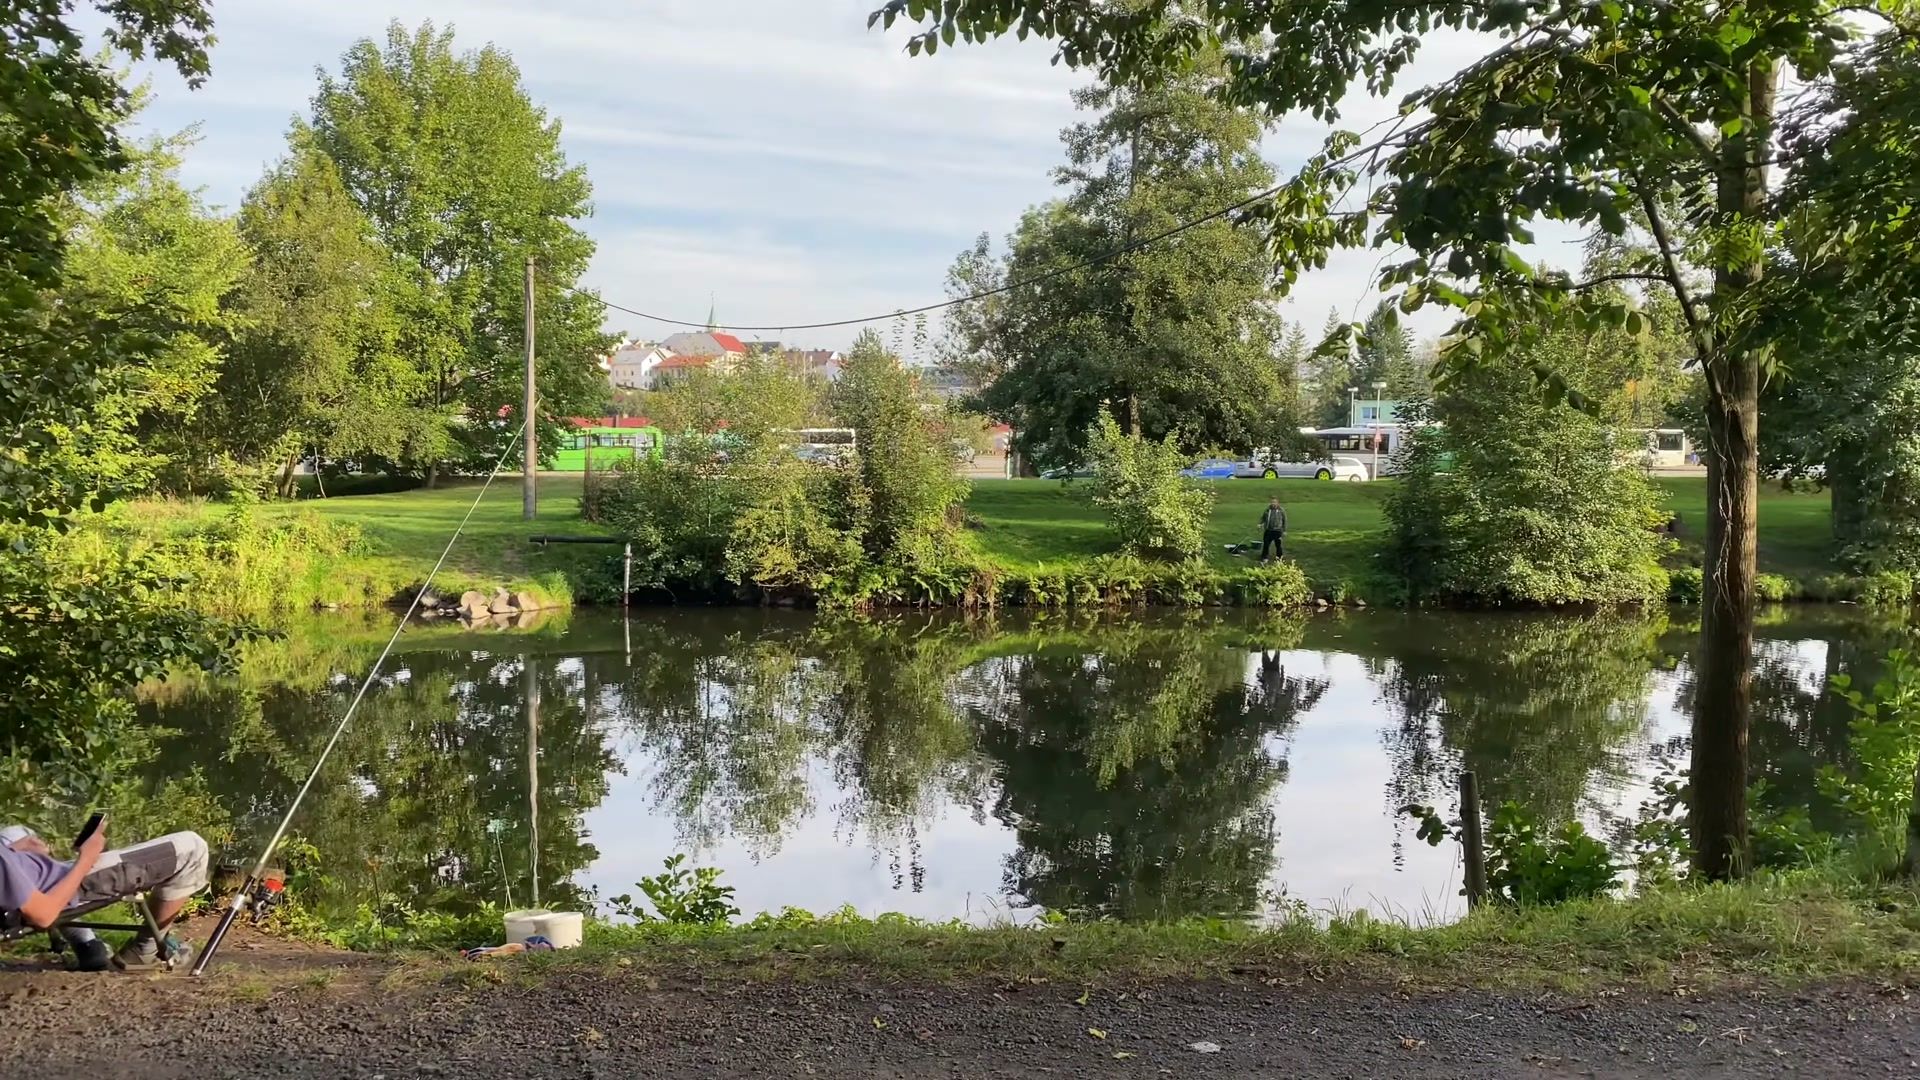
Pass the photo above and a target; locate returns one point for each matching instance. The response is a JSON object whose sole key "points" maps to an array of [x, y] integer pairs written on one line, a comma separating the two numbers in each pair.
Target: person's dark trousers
{"points": [[1275, 543]]}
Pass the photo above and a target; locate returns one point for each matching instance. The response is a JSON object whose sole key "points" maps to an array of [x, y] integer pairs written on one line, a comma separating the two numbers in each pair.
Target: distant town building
{"points": [[631, 366], [705, 343], [1365, 411]]}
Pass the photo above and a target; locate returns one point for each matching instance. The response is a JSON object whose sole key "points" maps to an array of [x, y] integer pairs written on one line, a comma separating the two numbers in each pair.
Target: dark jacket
{"points": [[1274, 519]]}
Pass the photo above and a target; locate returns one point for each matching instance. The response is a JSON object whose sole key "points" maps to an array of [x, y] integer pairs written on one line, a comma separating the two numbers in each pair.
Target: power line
{"points": [[1045, 275]]}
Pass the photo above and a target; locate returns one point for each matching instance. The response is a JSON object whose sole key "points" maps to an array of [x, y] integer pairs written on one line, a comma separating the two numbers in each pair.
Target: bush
{"points": [[1526, 865], [1774, 589], [906, 460], [1155, 512], [1884, 745], [1687, 585], [1535, 507], [1277, 584]]}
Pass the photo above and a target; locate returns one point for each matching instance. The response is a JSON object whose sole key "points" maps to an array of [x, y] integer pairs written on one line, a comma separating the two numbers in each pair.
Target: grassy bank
{"points": [[1789, 928], [1020, 527]]}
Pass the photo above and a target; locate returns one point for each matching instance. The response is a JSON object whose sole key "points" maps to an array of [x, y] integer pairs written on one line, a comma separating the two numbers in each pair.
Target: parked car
{"points": [[1213, 469], [1338, 468], [1067, 472]]}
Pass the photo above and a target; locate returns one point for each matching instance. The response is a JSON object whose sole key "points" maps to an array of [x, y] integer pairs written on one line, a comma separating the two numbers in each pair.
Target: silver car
{"points": [[1340, 468]]}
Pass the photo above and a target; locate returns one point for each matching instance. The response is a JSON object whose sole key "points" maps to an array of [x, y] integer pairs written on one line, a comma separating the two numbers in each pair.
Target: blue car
{"points": [[1212, 469]]}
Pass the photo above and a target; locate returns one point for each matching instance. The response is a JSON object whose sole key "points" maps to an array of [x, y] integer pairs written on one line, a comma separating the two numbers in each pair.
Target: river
{"points": [[1145, 767]]}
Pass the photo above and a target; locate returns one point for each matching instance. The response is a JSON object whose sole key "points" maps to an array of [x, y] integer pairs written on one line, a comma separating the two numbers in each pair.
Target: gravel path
{"points": [[352, 1022]]}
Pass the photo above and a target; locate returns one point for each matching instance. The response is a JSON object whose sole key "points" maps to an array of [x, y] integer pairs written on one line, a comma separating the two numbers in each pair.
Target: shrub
{"points": [[1535, 507], [1155, 512], [681, 896], [906, 461], [1687, 585], [1774, 589], [1886, 587], [1526, 865], [1277, 584], [1884, 744]]}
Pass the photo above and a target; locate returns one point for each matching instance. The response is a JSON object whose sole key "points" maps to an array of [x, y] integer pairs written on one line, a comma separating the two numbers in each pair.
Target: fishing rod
{"points": [[244, 897]]}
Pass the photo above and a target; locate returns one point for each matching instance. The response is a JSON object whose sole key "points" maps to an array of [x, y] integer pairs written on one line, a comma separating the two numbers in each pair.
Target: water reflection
{"points": [[1141, 769]]}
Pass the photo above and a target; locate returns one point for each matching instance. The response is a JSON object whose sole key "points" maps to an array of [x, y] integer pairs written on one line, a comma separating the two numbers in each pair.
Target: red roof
{"points": [[685, 362], [728, 342]]}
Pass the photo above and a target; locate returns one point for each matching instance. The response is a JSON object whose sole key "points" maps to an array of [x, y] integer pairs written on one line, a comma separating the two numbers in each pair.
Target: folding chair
{"points": [[13, 927]]}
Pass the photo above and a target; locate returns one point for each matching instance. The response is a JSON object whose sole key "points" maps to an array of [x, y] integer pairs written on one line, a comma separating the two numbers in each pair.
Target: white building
{"points": [[632, 365]]}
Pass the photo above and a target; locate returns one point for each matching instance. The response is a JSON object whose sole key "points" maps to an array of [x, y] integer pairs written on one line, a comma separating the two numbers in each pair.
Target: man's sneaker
{"points": [[142, 953], [91, 955]]}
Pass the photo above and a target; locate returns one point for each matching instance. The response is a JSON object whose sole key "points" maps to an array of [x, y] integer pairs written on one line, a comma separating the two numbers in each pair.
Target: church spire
{"points": [[712, 322]]}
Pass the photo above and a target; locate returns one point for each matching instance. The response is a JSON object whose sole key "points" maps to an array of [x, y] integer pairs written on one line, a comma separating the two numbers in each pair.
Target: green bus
{"points": [[609, 446]]}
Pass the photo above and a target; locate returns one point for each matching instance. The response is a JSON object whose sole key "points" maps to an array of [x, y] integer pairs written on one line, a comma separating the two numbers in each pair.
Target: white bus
{"points": [[820, 444], [1374, 444]]}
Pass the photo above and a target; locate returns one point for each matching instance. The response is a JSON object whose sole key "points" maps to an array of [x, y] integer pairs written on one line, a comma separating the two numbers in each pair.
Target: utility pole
{"points": [[530, 460]]}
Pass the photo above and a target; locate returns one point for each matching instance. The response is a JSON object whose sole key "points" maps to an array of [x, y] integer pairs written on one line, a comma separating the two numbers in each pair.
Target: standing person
{"points": [[1273, 526]]}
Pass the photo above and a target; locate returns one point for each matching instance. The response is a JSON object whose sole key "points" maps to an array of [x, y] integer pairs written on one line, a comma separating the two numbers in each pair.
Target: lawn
{"points": [[1019, 524], [1335, 527], [1331, 526]]}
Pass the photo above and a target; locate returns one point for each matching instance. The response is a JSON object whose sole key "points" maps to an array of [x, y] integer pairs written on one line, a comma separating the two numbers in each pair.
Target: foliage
{"points": [[1877, 793], [1174, 339], [1154, 511], [1687, 585], [1655, 121], [908, 477], [757, 397], [1536, 506], [1278, 584], [1530, 866], [81, 629], [463, 179], [679, 511], [63, 110], [688, 897], [314, 367], [146, 255]]}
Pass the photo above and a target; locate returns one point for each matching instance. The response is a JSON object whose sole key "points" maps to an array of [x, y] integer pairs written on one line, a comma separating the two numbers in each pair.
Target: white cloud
{"points": [[777, 156]]}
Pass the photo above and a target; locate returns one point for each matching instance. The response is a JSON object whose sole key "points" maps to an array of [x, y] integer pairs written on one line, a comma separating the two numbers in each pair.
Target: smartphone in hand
{"points": [[92, 826]]}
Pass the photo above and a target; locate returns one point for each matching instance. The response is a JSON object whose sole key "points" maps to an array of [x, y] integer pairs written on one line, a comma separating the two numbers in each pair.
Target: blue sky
{"points": [[772, 154]]}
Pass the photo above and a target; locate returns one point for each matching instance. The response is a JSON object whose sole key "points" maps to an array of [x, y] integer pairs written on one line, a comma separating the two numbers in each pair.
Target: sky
{"points": [[773, 160]]}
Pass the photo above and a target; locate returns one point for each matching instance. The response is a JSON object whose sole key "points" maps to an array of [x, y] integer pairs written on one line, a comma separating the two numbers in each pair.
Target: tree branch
{"points": [[1621, 276], [1685, 129], [1673, 277]]}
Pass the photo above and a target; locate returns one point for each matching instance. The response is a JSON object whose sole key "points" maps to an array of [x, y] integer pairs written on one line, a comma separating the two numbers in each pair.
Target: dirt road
{"points": [[323, 1015]]}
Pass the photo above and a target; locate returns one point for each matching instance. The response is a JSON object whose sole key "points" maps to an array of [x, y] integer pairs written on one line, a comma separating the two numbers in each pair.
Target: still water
{"points": [[1142, 768]]}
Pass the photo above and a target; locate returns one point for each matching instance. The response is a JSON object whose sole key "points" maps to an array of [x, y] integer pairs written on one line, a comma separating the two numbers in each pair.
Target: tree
{"points": [[75, 633], [145, 254], [1175, 338], [905, 457], [1585, 113], [313, 367], [464, 180], [1535, 506], [1330, 374], [1386, 354], [1852, 357]]}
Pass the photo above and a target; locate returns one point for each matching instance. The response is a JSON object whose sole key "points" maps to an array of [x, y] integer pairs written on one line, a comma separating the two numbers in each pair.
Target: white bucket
{"points": [[522, 925], [563, 928]]}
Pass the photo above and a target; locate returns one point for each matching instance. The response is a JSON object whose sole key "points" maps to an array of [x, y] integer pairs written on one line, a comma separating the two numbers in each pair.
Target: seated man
{"points": [[169, 870]]}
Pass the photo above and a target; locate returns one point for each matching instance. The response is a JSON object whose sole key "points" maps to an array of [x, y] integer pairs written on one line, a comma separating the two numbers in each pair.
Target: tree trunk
{"points": [[286, 476], [1133, 417], [433, 475], [1724, 702]]}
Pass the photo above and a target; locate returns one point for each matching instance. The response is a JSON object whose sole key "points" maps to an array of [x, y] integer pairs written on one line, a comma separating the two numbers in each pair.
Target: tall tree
{"points": [[147, 254], [1584, 113], [74, 636], [463, 178], [313, 366], [1174, 338]]}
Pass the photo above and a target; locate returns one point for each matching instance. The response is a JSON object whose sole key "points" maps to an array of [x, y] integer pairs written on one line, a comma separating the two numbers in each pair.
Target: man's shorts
{"points": [[172, 867]]}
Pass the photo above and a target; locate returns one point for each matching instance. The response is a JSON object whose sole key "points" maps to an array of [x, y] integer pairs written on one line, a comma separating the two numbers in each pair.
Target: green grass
{"points": [[404, 533], [1334, 528], [1018, 525], [1794, 928]]}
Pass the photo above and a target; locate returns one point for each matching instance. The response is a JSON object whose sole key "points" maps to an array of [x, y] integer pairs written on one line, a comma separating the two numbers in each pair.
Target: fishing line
{"points": [[242, 898]]}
